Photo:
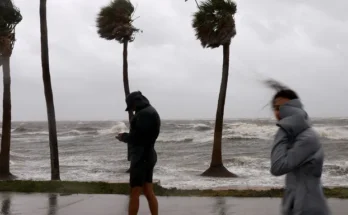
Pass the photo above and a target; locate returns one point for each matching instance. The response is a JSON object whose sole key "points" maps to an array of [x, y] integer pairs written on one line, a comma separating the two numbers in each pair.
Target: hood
{"points": [[138, 100], [293, 118]]}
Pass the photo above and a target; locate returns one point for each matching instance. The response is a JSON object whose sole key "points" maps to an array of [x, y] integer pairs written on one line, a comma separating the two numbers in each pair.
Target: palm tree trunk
{"points": [[125, 75], [52, 128], [6, 122], [217, 168], [126, 86]]}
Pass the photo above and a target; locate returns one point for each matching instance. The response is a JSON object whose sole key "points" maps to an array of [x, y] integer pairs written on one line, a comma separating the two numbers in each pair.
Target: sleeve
{"points": [[286, 156], [141, 128]]}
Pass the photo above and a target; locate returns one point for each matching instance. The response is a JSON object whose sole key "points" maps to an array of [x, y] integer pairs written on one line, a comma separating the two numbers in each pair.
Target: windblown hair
{"points": [[281, 90], [275, 85]]}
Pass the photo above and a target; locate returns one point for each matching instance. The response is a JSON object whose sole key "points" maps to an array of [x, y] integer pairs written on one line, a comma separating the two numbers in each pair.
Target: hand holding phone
{"points": [[119, 137]]}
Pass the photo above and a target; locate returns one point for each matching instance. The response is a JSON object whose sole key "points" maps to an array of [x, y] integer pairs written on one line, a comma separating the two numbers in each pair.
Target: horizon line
{"points": [[170, 119]]}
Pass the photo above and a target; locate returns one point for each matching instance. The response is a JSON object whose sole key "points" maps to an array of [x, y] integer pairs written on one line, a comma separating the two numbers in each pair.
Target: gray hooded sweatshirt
{"points": [[297, 152]]}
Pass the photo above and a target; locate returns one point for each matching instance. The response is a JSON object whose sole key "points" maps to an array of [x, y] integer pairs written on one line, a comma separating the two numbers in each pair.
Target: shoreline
{"points": [[79, 187]]}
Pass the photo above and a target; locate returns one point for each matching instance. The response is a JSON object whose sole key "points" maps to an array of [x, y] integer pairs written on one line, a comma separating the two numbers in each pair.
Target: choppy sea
{"points": [[89, 152]]}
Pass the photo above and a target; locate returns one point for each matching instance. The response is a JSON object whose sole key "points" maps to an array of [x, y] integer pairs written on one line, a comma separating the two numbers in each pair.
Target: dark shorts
{"points": [[141, 173]]}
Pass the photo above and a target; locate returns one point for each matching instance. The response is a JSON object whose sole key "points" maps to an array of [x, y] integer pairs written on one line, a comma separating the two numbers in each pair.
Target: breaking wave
{"points": [[193, 131]]}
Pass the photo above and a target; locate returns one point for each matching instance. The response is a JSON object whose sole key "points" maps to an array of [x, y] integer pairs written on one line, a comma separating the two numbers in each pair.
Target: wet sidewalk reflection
{"points": [[220, 206], [52, 204], [6, 205], [55, 204]]}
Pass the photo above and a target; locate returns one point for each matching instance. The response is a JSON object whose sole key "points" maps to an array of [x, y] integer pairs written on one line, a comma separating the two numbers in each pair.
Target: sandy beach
{"points": [[55, 204]]}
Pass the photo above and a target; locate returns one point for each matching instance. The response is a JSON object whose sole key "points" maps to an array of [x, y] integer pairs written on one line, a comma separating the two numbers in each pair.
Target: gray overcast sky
{"points": [[301, 43]]}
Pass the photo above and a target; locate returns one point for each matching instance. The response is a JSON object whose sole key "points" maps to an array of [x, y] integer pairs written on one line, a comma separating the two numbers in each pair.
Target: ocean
{"points": [[89, 152]]}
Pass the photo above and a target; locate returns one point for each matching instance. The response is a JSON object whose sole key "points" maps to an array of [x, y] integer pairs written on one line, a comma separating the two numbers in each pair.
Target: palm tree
{"points": [[10, 16], [215, 26], [115, 22], [51, 116]]}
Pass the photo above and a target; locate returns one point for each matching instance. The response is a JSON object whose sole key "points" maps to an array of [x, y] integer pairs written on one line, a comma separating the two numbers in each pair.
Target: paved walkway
{"points": [[53, 204]]}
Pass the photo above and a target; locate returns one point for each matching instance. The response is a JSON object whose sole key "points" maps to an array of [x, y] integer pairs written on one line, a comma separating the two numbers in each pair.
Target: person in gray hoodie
{"points": [[144, 130], [298, 154]]}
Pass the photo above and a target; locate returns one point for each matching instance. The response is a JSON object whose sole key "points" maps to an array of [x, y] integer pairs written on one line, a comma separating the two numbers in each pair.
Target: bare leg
{"points": [[134, 201], [151, 198]]}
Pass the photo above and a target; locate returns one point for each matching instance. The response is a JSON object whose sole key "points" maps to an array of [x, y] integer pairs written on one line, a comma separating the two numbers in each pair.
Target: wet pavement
{"points": [[55, 204]]}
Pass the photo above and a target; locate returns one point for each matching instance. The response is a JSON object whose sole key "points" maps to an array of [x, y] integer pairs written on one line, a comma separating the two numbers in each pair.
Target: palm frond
{"points": [[196, 3], [115, 21], [214, 22], [10, 16]]}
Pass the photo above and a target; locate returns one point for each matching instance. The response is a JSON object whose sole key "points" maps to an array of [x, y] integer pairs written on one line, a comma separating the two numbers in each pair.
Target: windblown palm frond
{"points": [[115, 21], [10, 16], [195, 1], [214, 22]]}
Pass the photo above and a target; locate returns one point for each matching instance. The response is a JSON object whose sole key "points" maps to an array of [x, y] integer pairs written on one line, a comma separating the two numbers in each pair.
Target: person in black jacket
{"points": [[144, 130]]}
